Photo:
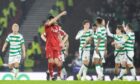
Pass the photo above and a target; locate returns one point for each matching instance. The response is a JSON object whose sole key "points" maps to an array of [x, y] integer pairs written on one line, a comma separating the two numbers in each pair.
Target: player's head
{"points": [[119, 29], [128, 27], [50, 17], [86, 24], [103, 22], [94, 27], [99, 21], [15, 28]]}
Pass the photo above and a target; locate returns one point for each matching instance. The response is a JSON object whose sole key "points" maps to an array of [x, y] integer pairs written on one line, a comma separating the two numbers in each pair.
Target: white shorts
{"points": [[101, 56], [119, 56], [84, 54], [129, 57], [14, 59]]}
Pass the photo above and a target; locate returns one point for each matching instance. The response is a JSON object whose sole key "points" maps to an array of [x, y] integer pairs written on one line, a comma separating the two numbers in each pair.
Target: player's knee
{"points": [[16, 65], [117, 65], [95, 61], [50, 60], [57, 62], [100, 62], [86, 62], [11, 65], [130, 65], [123, 64]]}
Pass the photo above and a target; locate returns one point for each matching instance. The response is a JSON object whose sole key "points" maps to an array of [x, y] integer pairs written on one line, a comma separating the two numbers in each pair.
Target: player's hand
{"points": [[117, 46], [84, 45], [113, 43], [64, 13]]}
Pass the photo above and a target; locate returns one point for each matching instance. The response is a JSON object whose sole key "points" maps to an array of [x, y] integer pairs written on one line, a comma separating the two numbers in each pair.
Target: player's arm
{"points": [[65, 38], [56, 18], [123, 40], [88, 41], [108, 31], [124, 26], [43, 37], [79, 34], [4, 46], [23, 50], [64, 35], [6, 43]]}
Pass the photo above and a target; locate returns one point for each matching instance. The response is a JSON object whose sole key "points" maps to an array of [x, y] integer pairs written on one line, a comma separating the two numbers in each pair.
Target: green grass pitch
{"points": [[69, 82]]}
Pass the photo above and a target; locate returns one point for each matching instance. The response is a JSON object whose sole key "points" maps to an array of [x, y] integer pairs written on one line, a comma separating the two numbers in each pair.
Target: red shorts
{"points": [[52, 53]]}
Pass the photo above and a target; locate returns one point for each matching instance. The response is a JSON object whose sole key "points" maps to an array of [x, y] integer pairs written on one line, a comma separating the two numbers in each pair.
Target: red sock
{"points": [[59, 70], [50, 67]]}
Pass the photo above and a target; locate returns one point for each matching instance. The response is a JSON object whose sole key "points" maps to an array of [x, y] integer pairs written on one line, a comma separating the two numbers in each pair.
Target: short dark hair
{"points": [[99, 20], [50, 17], [94, 24], [85, 21], [120, 27], [130, 26]]}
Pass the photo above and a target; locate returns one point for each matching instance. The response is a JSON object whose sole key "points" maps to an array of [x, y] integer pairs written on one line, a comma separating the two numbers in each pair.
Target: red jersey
{"points": [[52, 33]]}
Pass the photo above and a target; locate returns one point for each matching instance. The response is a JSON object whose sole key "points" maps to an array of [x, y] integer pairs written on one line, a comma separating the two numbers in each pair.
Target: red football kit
{"points": [[53, 47]]}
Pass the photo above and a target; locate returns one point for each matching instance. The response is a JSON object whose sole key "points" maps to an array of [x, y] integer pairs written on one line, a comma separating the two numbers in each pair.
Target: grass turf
{"points": [[69, 82]]}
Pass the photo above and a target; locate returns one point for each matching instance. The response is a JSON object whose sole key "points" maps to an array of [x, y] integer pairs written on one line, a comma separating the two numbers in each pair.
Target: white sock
{"points": [[133, 71], [102, 70], [14, 70], [85, 71], [98, 70], [81, 70], [122, 73]]}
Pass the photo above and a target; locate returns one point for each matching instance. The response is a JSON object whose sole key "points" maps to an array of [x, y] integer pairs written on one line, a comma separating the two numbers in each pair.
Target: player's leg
{"points": [[64, 72], [96, 59], [16, 65], [58, 62], [130, 64], [102, 61], [11, 67], [49, 54], [123, 67], [86, 58], [16, 69], [50, 67], [82, 66], [117, 65], [11, 63]]}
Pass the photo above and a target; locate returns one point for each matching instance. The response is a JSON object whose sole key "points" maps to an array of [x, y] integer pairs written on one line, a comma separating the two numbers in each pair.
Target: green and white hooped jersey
{"points": [[83, 39], [129, 45], [15, 42], [100, 34], [118, 38]]}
